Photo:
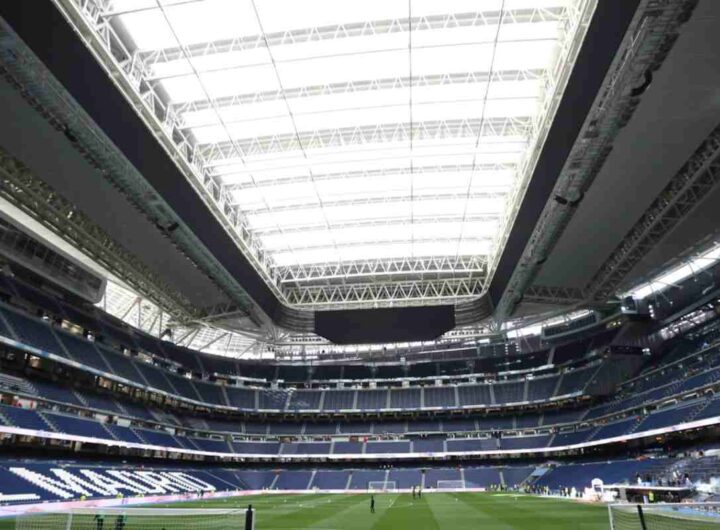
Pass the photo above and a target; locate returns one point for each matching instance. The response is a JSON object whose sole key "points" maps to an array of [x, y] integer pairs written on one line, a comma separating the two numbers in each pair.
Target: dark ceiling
{"points": [[677, 112], [50, 155]]}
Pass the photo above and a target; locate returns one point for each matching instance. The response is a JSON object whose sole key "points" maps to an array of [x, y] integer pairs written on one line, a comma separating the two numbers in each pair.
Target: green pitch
{"points": [[452, 511]]}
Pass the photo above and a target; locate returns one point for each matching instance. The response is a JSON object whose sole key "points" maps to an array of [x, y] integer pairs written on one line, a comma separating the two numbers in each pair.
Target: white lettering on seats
{"points": [[64, 485]]}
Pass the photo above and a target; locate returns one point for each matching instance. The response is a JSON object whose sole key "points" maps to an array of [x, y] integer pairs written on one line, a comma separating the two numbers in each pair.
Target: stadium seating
{"points": [[387, 447], [347, 448], [106, 357], [301, 448], [125, 434], [672, 387], [77, 426], [24, 418], [83, 351], [473, 444], [433, 475], [54, 393], [524, 442], [243, 399], [405, 478], [440, 397], [28, 478], [578, 475], [369, 400], [294, 480], [361, 478], [612, 430], [515, 476], [571, 438], [481, 477], [33, 332], [256, 480], [431, 445], [214, 445], [305, 400], [336, 400], [59, 394], [330, 480], [256, 448]]}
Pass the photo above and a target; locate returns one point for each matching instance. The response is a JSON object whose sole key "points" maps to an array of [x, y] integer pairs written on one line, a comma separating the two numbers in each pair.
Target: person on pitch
{"points": [[99, 521], [372, 503], [120, 522]]}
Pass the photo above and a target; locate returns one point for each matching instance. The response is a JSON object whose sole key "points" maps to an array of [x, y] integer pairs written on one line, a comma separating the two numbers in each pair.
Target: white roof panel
{"points": [[347, 131]]}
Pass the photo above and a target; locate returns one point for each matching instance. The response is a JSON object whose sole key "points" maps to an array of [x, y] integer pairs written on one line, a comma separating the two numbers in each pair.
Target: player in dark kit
{"points": [[372, 503], [120, 522], [99, 521]]}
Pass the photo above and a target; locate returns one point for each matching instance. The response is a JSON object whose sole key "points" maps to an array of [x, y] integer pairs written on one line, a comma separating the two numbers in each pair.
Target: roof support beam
{"points": [[350, 30], [362, 135], [391, 293], [553, 295], [283, 180], [354, 86], [334, 244], [384, 268], [383, 222], [388, 199]]}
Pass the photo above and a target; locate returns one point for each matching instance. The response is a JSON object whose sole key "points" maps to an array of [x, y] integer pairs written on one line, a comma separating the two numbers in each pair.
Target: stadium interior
{"points": [[461, 255]]}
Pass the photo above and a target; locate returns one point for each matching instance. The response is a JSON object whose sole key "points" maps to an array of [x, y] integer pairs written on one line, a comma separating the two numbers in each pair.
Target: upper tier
{"points": [[58, 344], [458, 360]]}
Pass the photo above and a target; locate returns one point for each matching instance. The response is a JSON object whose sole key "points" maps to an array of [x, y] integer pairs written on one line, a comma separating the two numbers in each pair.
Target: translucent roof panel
{"points": [[349, 133]]}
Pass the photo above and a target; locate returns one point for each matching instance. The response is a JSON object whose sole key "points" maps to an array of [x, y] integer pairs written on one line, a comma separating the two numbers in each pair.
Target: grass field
{"points": [[452, 511]]}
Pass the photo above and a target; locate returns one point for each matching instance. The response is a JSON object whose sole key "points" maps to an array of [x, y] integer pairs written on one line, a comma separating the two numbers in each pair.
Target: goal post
{"points": [[665, 516], [138, 519], [382, 486], [450, 484]]}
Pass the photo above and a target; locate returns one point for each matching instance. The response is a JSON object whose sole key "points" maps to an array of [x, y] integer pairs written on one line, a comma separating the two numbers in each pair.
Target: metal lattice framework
{"points": [[695, 180], [179, 110], [219, 152], [376, 136], [554, 295], [371, 28], [399, 267]]}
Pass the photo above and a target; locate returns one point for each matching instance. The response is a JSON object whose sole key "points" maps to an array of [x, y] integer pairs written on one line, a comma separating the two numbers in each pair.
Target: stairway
{"points": [[111, 435], [274, 481], [53, 427], [80, 397]]}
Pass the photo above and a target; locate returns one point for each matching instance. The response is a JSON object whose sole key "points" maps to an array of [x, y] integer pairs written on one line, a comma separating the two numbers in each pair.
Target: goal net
{"points": [[138, 519], [661, 516], [451, 484], [382, 485]]}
